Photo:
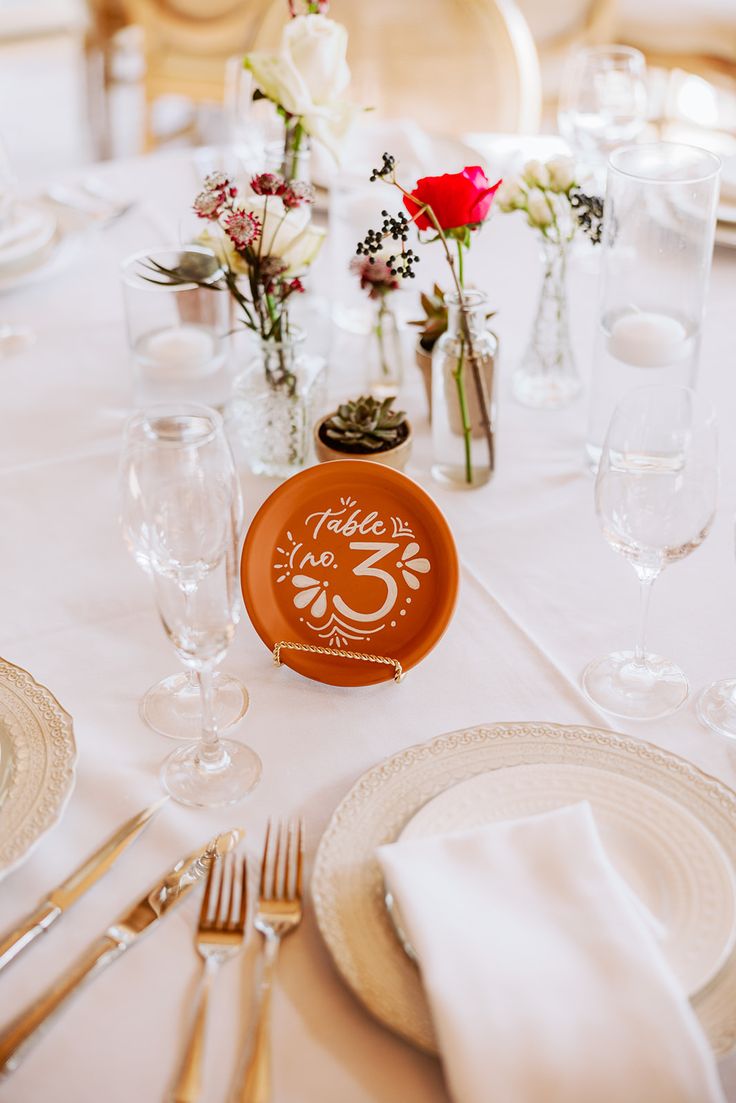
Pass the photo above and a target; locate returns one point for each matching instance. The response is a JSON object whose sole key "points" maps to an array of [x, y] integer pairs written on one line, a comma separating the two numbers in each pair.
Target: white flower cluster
{"points": [[538, 189]]}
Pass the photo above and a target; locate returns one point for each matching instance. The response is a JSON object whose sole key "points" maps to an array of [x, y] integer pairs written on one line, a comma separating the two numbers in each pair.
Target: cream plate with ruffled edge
{"points": [[348, 888], [37, 756]]}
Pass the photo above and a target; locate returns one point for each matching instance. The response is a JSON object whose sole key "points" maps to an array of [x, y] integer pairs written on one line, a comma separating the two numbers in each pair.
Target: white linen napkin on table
{"points": [[545, 980]]}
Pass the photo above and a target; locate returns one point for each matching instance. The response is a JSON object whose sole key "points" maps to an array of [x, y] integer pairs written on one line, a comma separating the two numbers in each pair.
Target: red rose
{"points": [[457, 198]]}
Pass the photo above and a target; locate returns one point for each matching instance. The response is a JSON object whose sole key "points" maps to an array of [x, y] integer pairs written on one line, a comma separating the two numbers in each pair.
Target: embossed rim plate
{"points": [[675, 865], [347, 885], [38, 776], [277, 516]]}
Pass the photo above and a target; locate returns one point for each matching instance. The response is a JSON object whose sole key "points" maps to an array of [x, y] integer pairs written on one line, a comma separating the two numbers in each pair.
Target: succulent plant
{"points": [[434, 322], [366, 424]]}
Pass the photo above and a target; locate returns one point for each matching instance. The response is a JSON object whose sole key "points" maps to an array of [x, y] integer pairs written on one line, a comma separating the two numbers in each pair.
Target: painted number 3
{"points": [[379, 550]]}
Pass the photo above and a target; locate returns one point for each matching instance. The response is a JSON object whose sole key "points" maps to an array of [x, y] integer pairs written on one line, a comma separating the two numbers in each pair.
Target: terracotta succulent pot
{"points": [[392, 457]]}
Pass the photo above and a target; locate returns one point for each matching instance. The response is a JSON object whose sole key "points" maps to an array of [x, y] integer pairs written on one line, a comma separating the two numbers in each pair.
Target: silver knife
{"points": [[70, 890], [17, 1038]]}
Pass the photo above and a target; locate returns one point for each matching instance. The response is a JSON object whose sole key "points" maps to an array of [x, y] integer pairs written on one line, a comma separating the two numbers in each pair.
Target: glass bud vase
{"points": [[384, 357], [547, 378], [464, 363], [275, 403], [297, 151]]}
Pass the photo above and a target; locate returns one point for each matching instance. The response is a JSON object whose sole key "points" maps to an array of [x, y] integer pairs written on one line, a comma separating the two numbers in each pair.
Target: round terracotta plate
{"points": [[350, 555]]}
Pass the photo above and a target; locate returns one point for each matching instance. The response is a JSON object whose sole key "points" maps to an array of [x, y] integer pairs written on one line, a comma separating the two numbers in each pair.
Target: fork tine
{"points": [[204, 910], [218, 920], [299, 858], [264, 863], [277, 880], [239, 924]]}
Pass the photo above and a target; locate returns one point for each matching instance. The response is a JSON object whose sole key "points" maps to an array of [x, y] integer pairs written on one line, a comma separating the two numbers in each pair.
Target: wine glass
{"points": [[716, 707], [172, 707], [603, 102], [188, 507], [655, 497]]}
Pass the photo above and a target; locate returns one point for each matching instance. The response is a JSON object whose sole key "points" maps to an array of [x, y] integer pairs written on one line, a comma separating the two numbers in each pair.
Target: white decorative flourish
{"points": [[401, 528], [413, 566]]}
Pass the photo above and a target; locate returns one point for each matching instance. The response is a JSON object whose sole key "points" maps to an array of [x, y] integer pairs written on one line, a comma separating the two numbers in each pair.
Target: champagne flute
{"points": [[189, 503], [716, 707], [655, 497], [172, 706], [603, 103]]}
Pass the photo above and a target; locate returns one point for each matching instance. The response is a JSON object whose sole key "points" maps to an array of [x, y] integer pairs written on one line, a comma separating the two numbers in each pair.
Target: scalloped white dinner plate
{"points": [[37, 756], [348, 888]]}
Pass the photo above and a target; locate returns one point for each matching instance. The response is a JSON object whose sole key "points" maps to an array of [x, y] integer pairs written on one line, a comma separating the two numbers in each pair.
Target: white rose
{"points": [[535, 174], [538, 209], [290, 235], [561, 171], [307, 76], [510, 196]]}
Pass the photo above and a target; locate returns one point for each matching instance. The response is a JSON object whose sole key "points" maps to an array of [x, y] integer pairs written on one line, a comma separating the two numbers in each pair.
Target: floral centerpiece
{"points": [[384, 359], [550, 197], [264, 240], [305, 77], [449, 209]]}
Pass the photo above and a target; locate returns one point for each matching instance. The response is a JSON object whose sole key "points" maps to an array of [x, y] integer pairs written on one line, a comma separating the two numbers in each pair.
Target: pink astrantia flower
{"points": [[268, 183], [376, 278], [296, 193], [215, 196], [242, 228]]}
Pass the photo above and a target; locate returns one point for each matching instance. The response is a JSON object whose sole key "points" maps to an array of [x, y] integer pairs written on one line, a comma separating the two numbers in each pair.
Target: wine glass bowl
{"points": [[603, 102], [655, 497]]}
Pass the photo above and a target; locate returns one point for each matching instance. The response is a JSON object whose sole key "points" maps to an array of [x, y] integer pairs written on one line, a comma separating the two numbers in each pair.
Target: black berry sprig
{"points": [[394, 228], [588, 213], [387, 167]]}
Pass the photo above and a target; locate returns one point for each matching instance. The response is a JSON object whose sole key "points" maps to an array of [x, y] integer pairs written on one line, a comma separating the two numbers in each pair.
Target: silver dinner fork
{"points": [[278, 913], [220, 935]]}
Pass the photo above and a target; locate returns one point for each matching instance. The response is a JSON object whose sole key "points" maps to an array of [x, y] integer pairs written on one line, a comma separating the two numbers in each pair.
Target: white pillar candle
{"points": [[181, 351], [648, 340]]}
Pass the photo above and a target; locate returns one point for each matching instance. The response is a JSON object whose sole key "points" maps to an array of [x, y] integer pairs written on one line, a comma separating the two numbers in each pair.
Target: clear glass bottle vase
{"points": [[547, 377], [384, 358], [275, 403], [463, 386]]}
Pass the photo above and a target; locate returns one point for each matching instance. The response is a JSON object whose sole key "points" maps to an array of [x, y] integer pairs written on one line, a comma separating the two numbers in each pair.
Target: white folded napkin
{"points": [[545, 980]]}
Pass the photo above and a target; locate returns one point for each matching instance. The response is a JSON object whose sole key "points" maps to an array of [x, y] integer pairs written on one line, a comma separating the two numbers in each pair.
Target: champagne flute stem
{"points": [[211, 753], [646, 582]]}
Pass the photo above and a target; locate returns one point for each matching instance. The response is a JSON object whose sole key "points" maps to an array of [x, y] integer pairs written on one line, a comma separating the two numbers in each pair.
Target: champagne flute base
{"points": [[173, 706], [187, 779], [623, 686], [716, 707]]}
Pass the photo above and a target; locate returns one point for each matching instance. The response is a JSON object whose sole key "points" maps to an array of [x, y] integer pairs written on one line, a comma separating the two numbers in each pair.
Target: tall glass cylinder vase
{"points": [[547, 377], [275, 403], [463, 384], [658, 227]]}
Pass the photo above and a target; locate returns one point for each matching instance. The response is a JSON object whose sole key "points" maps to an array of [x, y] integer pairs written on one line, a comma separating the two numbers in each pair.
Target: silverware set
{"points": [[220, 935]]}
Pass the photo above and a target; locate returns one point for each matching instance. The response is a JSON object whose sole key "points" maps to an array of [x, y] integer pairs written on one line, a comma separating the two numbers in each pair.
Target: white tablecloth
{"points": [[541, 594]]}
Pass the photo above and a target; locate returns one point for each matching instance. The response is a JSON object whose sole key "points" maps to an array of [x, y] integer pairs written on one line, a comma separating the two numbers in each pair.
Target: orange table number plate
{"points": [[351, 556]]}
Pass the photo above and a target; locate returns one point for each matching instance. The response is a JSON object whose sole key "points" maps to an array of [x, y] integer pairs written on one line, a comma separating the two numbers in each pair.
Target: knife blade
{"points": [[27, 1027], [65, 894]]}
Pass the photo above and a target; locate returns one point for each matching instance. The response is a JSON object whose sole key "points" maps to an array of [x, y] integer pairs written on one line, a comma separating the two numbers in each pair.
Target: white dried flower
{"points": [[561, 172], [539, 210], [511, 195], [535, 174]]}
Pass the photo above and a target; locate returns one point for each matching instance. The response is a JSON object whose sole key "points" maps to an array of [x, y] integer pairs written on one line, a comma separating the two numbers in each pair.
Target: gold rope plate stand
{"points": [[287, 645]]}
